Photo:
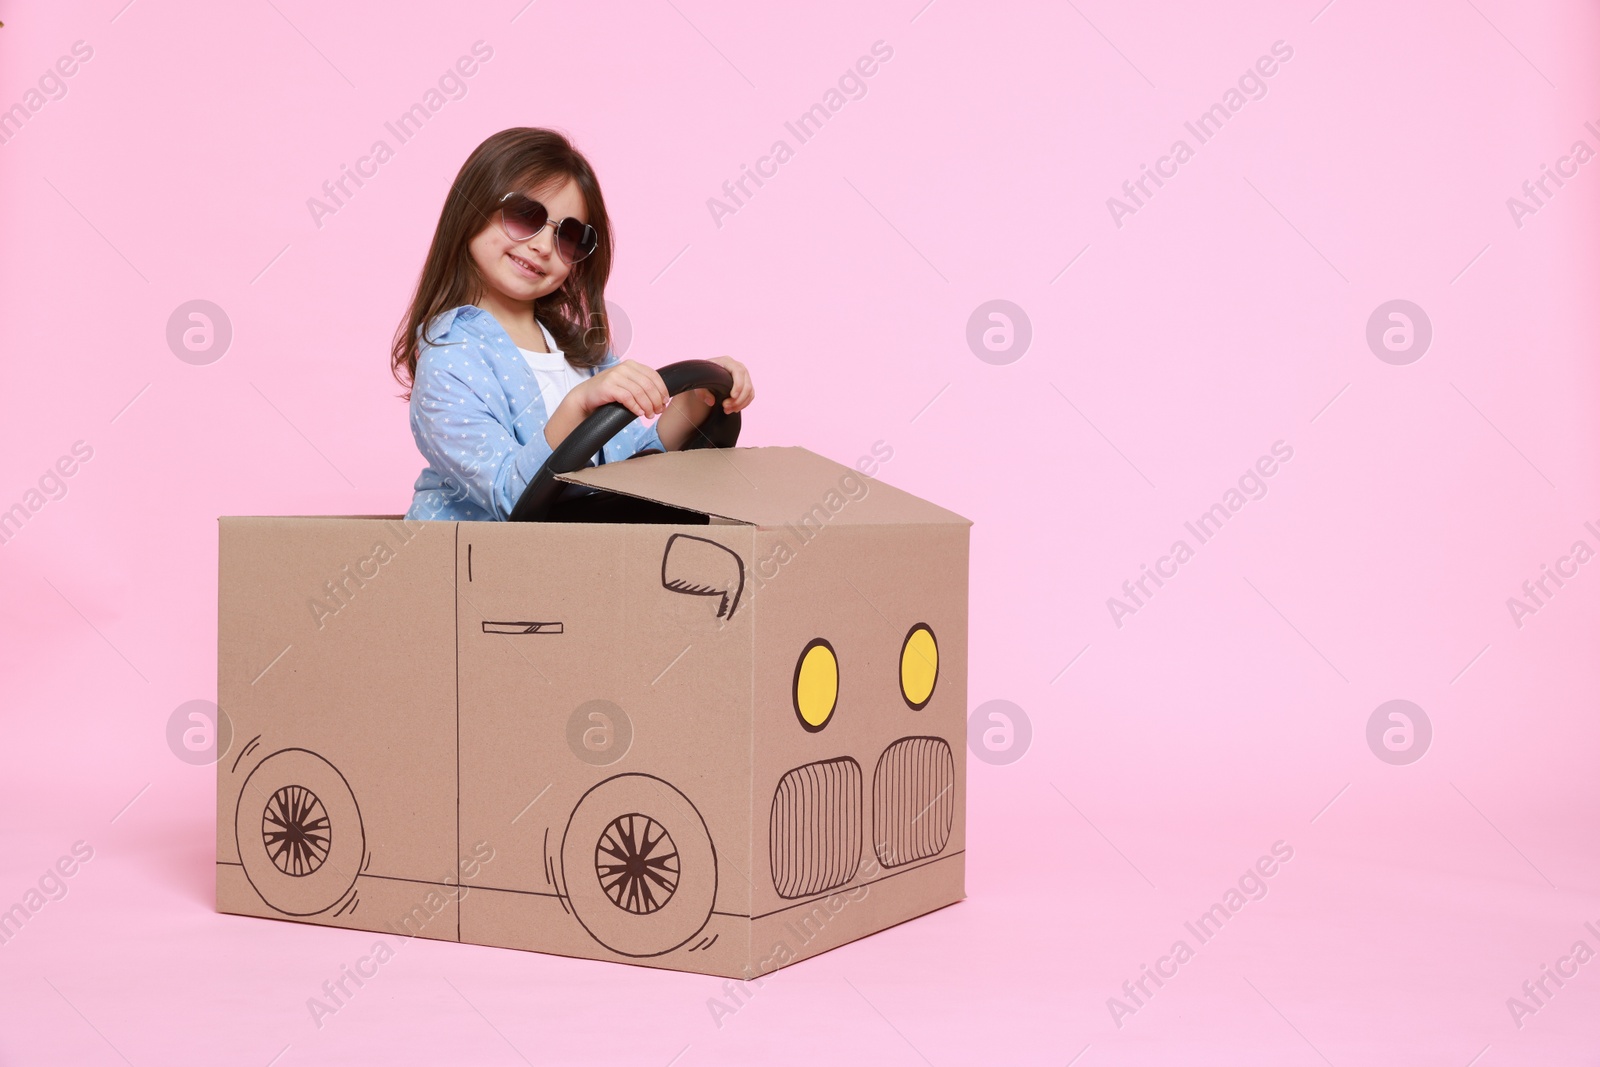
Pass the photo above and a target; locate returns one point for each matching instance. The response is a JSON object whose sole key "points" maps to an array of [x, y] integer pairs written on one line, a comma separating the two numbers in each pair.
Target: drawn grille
{"points": [[816, 827], [913, 800]]}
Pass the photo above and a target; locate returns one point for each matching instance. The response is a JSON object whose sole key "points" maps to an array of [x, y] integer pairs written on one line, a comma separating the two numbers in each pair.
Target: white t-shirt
{"points": [[556, 377]]}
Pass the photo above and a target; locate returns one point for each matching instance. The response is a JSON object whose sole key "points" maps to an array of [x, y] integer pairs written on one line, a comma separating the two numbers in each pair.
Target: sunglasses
{"points": [[521, 218]]}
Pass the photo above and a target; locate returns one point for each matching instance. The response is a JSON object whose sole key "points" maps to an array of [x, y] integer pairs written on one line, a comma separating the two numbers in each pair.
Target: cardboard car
{"points": [[720, 743]]}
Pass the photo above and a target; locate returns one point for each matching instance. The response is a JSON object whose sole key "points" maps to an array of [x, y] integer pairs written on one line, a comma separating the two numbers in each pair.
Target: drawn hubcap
{"points": [[637, 864], [296, 830]]}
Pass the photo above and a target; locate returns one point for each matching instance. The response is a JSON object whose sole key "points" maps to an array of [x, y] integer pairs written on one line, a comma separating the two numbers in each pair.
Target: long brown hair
{"points": [[522, 158]]}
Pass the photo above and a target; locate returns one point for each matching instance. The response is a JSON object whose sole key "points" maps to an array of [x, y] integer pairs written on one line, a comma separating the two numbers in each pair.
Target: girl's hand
{"points": [[630, 383], [743, 392], [689, 410]]}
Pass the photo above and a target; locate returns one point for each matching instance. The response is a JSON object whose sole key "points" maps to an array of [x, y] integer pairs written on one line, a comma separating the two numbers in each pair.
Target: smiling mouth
{"points": [[525, 266]]}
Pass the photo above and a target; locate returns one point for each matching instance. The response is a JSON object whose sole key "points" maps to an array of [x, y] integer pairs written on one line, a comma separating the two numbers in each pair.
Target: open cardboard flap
{"points": [[764, 487]]}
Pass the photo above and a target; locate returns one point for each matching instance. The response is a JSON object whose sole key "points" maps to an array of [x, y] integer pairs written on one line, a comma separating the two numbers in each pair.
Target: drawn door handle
{"points": [[492, 627]]}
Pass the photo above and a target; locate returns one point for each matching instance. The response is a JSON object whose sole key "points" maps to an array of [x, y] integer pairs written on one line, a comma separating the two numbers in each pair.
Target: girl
{"points": [[505, 349]]}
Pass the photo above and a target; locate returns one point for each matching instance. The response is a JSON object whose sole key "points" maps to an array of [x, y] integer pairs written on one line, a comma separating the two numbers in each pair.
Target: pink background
{"points": [[1228, 313]]}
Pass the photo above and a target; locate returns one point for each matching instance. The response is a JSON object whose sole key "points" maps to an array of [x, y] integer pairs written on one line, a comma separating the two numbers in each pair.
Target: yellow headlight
{"points": [[816, 684], [919, 666]]}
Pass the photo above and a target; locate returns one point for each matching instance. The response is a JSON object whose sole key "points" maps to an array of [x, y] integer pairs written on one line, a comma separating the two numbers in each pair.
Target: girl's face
{"points": [[520, 272]]}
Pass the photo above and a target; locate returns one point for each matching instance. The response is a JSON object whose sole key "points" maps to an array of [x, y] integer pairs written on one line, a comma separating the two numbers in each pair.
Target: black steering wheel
{"points": [[720, 430]]}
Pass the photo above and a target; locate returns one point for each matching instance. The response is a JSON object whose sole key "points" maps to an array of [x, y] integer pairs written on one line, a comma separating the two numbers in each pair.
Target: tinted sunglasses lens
{"points": [[574, 240], [522, 218]]}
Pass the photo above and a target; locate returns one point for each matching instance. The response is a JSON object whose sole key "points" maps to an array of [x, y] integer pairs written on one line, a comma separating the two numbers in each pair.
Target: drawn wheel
{"points": [[639, 867], [296, 831], [299, 832], [637, 864]]}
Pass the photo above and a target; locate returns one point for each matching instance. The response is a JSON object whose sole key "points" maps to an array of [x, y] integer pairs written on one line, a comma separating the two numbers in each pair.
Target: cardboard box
{"points": [[718, 746]]}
